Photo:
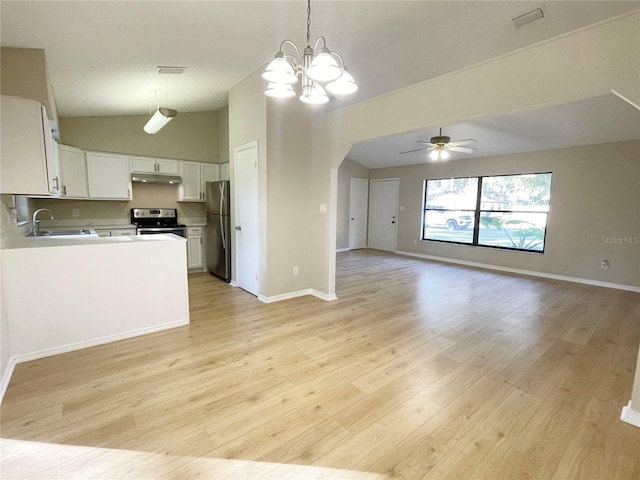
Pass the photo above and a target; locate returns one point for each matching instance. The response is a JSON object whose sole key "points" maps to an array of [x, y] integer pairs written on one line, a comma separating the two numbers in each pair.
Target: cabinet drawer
{"points": [[194, 230]]}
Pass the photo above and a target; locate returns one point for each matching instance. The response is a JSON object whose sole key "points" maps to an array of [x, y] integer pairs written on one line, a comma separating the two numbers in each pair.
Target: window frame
{"points": [[477, 213]]}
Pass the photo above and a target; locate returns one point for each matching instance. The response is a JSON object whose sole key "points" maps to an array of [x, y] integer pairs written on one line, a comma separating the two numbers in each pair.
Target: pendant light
{"points": [[318, 68], [162, 116]]}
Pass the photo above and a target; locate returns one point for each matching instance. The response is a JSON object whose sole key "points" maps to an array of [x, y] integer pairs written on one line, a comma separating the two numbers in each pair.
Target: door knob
{"points": [[352, 219], [393, 221], [238, 228]]}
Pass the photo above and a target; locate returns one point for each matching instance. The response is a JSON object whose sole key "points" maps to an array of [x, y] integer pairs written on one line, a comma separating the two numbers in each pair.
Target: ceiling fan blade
{"points": [[416, 150], [461, 149], [426, 143], [459, 143]]}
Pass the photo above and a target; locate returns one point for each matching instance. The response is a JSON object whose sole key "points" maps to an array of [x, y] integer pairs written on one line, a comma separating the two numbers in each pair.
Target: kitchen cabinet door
{"points": [[73, 172], [210, 173], [194, 248], [224, 171], [154, 165], [28, 157], [108, 176], [143, 164], [167, 165], [190, 189]]}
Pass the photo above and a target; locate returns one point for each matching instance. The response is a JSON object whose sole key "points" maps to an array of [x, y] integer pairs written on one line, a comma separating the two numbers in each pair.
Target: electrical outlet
{"points": [[605, 265], [296, 271], [76, 212]]}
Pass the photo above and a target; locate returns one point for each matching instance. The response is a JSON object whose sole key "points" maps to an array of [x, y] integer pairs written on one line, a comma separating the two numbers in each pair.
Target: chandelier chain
{"points": [[308, 21]]}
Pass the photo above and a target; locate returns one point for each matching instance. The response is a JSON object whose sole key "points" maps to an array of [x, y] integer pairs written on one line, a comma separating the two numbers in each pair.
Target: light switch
{"points": [[323, 208]]}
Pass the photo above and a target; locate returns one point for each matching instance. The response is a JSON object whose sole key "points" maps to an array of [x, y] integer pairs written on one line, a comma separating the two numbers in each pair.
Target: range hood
{"points": [[153, 178]]}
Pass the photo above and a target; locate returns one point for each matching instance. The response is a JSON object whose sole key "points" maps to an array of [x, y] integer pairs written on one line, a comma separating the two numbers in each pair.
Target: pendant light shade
{"points": [[344, 85], [279, 90], [317, 96], [280, 71], [159, 120], [324, 67]]}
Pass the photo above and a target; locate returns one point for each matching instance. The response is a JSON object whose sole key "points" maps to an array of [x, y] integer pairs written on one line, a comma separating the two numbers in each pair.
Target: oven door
{"points": [[180, 231]]}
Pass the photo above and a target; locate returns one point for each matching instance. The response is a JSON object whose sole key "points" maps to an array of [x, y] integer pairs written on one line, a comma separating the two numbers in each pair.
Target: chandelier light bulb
{"points": [[444, 154], [434, 155]]}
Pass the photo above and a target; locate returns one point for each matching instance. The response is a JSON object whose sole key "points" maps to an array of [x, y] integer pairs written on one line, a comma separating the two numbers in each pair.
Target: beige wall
{"points": [[248, 123], [288, 184], [223, 135], [594, 194], [588, 63], [144, 196], [24, 73], [348, 170], [189, 136]]}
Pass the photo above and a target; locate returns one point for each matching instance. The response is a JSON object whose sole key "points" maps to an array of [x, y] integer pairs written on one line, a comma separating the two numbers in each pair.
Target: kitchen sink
{"points": [[62, 233]]}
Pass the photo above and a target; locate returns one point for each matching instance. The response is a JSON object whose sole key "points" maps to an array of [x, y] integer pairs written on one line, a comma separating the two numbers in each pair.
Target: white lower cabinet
{"points": [[194, 247], [109, 176]]}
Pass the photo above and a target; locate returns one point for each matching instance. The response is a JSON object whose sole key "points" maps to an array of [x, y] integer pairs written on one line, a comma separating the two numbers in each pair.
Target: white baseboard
{"points": [[630, 415], [338, 250], [6, 377], [299, 293], [519, 271], [47, 352]]}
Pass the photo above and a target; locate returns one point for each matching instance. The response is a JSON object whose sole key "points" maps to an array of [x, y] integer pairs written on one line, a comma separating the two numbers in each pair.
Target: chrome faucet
{"points": [[36, 222]]}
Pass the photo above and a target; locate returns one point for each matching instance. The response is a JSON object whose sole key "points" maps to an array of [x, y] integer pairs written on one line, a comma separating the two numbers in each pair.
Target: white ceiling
{"points": [[596, 120], [102, 55]]}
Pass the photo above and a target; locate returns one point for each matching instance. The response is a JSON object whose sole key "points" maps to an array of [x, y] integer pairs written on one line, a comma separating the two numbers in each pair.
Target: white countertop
{"points": [[67, 241]]}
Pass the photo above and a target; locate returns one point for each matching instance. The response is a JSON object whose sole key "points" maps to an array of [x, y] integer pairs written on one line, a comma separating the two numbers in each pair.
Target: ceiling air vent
{"points": [[171, 70], [528, 17]]}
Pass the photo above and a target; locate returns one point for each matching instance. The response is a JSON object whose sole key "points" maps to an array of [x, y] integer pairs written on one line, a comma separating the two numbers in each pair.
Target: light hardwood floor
{"points": [[419, 370]]}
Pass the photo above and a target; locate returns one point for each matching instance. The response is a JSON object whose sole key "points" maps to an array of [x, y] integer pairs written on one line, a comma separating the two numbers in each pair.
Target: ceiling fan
{"points": [[441, 145]]}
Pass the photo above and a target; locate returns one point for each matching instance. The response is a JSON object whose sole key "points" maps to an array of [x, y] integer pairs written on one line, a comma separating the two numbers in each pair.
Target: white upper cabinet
{"points": [[210, 173], [154, 165], [224, 171], [190, 190], [29, 162], [109, 176], [73, 172], [194, 177]]}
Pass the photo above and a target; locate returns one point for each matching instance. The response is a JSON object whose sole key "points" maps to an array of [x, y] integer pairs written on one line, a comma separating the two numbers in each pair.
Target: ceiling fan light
{"points": [[324, 67], [280, 71], [279, 90], [434, 155], [317, 96], [344, 85], [444, 154], [159, 120]]}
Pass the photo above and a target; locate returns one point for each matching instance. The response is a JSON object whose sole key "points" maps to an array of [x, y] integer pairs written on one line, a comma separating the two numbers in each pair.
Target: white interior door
{"points": [[247, 219], [358, 203], [383, 214]]}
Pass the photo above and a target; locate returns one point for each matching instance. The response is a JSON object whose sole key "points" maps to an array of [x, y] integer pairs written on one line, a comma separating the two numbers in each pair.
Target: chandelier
{"points": [[317, 68]]}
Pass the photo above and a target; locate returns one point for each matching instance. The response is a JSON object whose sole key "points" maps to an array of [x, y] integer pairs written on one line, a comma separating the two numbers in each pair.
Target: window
{"points": [[508, 211]]}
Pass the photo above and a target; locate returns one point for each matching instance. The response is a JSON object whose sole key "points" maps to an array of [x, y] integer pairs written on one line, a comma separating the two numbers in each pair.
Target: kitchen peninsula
{"points": [[62, 294]]}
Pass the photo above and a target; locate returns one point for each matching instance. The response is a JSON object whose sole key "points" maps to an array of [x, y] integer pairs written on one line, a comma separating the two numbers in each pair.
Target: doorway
{"points": [[247, 218], [383, 214], [358, 205]]}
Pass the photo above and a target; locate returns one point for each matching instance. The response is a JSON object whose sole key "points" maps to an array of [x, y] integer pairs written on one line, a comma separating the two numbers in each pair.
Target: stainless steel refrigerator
{"points": [[218, 239]]}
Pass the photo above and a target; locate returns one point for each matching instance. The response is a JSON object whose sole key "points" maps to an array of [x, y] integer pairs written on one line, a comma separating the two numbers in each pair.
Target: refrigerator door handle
{"points": [[222, 198], [223, 233]]}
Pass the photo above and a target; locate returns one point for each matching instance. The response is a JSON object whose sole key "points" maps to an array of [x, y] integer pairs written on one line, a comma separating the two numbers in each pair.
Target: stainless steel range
{"points": [[150, 221]]}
